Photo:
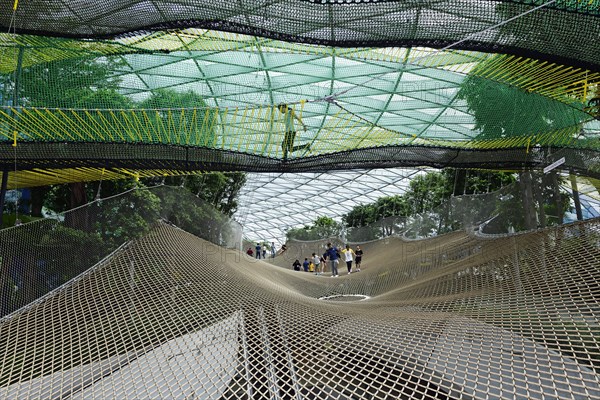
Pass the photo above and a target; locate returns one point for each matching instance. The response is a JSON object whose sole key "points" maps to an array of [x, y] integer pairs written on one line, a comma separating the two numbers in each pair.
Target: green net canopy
{"points": [[115, 89], [181, 101], [561, 30]]}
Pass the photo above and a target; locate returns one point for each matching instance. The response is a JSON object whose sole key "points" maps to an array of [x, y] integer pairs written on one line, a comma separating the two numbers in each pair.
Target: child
{"points": [[317, 262], [296, 265], [305, 264]]}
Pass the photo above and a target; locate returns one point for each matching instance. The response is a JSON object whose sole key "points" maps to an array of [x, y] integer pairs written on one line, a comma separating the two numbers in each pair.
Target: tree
{"points": [[425, 205], [220, 189], [182, 118], [502, 111], [193, 123], [326, 227], [71, 83], [123, 218], [322, 228]]}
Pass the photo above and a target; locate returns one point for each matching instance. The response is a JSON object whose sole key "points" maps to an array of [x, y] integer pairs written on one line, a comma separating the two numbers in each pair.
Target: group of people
{"points": [[332, 254], [261, 250]]}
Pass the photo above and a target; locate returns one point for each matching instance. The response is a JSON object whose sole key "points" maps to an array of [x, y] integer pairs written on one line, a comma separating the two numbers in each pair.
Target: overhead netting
{"points": [[557, 30], [170, 315], [178, 101]]}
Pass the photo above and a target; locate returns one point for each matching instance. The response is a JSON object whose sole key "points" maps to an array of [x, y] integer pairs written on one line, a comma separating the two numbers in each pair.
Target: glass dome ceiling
{"points": [[272, 203]]}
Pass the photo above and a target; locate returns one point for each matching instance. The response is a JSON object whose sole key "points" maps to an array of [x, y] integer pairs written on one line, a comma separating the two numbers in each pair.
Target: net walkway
{"points": [[193, 87], [457, 316]]}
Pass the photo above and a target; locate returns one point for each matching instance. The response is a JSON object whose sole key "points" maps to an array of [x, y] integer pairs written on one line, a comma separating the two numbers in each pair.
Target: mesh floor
{"points": [[458, 316], [190, 99]]}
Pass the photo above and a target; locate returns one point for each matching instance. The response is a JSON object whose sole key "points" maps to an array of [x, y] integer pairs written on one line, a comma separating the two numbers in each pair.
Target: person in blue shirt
{"points": [[305, 264], [258, 250], [332, 256]]}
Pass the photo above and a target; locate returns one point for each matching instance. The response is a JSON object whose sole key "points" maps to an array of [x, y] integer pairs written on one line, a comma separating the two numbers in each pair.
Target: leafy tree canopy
{"points": [[323, 227], [426, 193], [503, 111]]}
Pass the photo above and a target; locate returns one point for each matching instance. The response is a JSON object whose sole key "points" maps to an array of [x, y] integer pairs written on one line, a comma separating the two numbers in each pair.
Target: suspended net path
{"points": [[148, 295], [168, 314]]}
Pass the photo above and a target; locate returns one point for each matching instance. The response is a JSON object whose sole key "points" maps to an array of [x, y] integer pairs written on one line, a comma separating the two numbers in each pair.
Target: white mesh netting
{"points": [[459, 316]]}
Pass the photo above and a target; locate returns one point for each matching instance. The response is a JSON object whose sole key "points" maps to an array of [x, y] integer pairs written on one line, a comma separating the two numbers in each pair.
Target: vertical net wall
{"points": [[39, 257]]}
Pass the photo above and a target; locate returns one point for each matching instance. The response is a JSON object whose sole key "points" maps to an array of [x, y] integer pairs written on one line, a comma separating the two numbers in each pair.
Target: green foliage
{"points": [[423, 206], [194, 215], [323, 227], [221, 189], [90, 83], [503, 111], [361, 215], [9, 219], [128, 217], [195, 123], [510, 213], [428, 191], [41, 256], [68, 243]]}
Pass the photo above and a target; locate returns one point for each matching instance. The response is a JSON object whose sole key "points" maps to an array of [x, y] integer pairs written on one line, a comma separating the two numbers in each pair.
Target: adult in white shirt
{"points": [[348, 257]]}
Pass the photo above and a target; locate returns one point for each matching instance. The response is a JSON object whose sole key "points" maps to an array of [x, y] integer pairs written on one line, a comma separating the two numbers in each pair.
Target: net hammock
{"points": [[166, 314], [173, 316]]}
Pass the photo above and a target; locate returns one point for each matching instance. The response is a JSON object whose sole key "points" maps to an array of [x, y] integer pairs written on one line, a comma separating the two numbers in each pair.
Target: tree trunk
{"points": [[538, 186], [37, 200], [576, 197], [77, 219], [560, 212], [3, 194], [527, 197], [460, 179]]}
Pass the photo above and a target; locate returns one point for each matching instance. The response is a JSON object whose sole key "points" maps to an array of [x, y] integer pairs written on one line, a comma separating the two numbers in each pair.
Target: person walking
{"points": [[258, 250], [332, 256], [358, 259], [317, 262], [348, 257], [290, 131]]}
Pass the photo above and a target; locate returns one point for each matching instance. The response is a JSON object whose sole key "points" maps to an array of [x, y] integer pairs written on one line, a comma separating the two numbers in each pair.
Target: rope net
{"points": [[39, 257], [560, 29], [184, 100], [170, 315]]}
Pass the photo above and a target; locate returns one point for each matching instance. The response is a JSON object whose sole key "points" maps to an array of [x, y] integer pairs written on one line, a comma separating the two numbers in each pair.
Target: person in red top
{"points": [[249, 252]]}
